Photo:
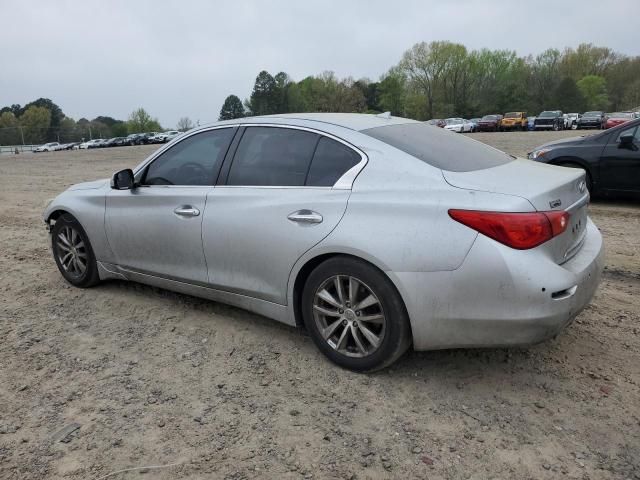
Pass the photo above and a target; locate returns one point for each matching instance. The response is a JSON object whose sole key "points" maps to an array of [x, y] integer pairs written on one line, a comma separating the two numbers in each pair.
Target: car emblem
{"points": [[555, 203], [582, 186]]}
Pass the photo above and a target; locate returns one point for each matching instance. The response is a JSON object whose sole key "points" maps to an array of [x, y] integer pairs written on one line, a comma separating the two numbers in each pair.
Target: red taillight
{"points": [[516, 230]]}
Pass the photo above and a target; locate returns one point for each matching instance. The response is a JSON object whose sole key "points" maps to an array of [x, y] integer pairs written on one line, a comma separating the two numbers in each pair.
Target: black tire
{"points": [[396, 337], [87, 278]]}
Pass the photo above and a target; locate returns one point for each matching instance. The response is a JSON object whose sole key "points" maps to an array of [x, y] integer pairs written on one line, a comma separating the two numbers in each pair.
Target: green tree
{"points": [[392, 93], [232, 108], [139, 121], [35, 122], [264, 97], [282, 83], [568, 96], [594, 90], [56, 116], [9, 129]]}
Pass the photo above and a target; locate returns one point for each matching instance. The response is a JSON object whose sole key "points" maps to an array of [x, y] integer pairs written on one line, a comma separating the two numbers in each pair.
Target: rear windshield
{"points": [[439, 148]]}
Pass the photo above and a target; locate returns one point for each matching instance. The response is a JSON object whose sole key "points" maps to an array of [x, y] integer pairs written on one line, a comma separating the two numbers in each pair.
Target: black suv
{"points": [[549, 120]]}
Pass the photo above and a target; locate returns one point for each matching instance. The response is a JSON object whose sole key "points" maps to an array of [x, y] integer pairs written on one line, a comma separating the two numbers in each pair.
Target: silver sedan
{"points": [[374, 233]]}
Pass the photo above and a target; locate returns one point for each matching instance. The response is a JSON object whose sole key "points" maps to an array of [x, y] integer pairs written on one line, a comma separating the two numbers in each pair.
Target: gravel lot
{"points": [[155, 378]]}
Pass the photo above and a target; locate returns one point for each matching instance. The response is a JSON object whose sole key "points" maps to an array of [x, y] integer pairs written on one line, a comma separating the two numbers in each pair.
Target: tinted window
{"points": [[438, 148], [271, 156], [331, 160], [193, 161]]}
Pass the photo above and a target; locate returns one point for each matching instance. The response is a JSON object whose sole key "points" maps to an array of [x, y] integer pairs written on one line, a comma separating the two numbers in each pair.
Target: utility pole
{"points": [[22, 135], [90, 137]]}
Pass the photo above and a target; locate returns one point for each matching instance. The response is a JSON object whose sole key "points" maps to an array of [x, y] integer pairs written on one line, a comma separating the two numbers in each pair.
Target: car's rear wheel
{"points": [[355, 315], [73, 253]]}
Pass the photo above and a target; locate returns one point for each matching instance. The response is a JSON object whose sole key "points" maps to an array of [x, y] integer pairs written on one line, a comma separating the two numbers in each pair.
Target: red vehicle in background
{"points": [[617, 118]]}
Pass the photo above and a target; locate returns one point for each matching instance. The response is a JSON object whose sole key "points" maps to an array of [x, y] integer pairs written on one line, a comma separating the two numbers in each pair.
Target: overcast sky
{"points": [[183, 58]]}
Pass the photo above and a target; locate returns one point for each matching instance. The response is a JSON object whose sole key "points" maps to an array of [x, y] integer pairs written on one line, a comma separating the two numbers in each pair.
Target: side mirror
{"points": [[626, 141], [123, 180]]}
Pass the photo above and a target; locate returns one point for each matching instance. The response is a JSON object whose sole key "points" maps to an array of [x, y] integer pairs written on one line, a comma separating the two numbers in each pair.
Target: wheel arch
{"points": [[301, 274]]}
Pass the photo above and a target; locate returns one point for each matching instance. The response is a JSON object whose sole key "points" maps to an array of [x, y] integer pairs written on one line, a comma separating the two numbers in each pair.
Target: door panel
{"points": [[251, 245], [147, 234], [620, 167]]}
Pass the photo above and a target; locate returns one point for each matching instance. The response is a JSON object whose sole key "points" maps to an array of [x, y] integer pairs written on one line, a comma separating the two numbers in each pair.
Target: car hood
{"points": [[562, 142], [90, 185]]}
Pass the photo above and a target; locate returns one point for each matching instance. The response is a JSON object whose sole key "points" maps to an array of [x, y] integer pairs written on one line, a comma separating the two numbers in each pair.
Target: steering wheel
{"points": [[197, 172]]}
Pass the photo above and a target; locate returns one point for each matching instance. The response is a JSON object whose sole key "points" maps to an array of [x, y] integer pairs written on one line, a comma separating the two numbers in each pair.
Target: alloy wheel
{"points": [[349, 316], [71, 251]]}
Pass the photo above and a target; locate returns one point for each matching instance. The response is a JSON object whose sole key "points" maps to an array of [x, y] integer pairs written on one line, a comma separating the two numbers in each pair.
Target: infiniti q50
{"points": [[374, 233]]}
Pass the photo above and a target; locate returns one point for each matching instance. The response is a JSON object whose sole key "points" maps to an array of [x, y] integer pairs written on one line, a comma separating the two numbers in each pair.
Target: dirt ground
{"points": [[153, 378]]}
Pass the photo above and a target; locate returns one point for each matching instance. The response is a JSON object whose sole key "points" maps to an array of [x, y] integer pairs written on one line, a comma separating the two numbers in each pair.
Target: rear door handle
{"points": [[187, 211], [305, 216]]}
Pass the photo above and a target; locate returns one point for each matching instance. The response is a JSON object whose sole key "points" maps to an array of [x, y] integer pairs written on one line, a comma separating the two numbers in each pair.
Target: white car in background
{"points": [[164, 137], [90, 143], [459, 125], [48, 147], [573, 120]]}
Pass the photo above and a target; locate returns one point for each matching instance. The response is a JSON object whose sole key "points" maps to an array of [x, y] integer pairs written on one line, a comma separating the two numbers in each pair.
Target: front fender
{"points": [[88, 208]]}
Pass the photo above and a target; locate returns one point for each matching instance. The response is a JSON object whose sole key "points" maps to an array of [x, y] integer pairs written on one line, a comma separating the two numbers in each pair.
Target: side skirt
{"points": [[271, 310]]}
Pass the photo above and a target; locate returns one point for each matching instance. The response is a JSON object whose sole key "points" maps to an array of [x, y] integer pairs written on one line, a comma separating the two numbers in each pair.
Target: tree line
{"points": [[43, 121], [445, 79]]}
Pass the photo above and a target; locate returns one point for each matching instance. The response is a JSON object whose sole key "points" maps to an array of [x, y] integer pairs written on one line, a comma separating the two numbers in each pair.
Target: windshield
{"points": [[512, 115], [436, 147], [489, 117], [453, 121], [592, 114], [548, 114]]}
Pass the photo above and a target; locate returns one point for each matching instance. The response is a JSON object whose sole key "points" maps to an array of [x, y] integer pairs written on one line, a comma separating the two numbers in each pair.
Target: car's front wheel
{"points": [[355, 315], [73, 253]]}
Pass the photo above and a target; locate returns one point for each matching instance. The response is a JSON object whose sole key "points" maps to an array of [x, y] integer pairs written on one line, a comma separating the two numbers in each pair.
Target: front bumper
{"points": [[500, 296]]}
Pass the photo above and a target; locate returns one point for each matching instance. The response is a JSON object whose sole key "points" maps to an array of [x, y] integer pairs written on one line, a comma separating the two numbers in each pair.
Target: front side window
{"points": [[331, 160], [193, 161], [272, 156]]}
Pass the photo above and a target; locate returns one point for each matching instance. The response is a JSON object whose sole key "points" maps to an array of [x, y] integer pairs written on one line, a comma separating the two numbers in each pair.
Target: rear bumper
{"points": [[500, 296]]}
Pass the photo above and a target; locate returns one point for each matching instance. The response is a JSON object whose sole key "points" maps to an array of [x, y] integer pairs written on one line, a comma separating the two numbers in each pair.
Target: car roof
{"points": [[352, 121]]}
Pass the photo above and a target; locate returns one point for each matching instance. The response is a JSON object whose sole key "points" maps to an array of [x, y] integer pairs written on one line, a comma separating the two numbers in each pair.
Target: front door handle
{"points": [[187, 211], [305, 216]]}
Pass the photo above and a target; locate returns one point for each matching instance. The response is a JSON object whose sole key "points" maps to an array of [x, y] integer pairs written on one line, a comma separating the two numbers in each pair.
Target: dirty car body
{"points": [[479, 248]]}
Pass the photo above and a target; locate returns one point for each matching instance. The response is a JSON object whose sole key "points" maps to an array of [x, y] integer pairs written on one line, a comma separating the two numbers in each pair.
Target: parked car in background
{"points": [[531, 123], [133, 139], [47, 147], [611, 158], [594, 119], [70, 146], [514, 121], [573, 120], [549, 120], [144, 137], [116, 142], [475, 122], [437, 122], [490, 123], [428, 238], [459, 125], [618, 118], [90, 143], [171, 134], [157, 138]]}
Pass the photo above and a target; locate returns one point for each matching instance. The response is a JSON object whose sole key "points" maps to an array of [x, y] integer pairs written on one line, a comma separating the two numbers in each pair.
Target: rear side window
{"points": [[439, 148], [272, 156], [331, 160]]}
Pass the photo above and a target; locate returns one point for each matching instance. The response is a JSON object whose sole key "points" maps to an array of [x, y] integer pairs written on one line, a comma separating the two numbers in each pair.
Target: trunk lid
{"points": [[546, 187]]}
